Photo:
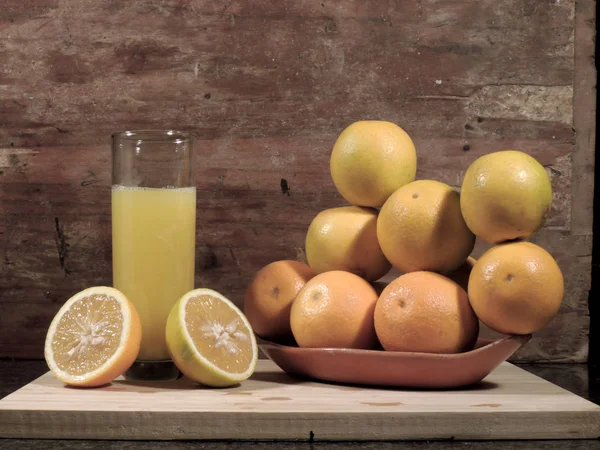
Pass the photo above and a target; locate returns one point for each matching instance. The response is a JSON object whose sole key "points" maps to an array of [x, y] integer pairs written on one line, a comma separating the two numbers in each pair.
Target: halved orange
{"points": [[94, 337], [210, 339]]}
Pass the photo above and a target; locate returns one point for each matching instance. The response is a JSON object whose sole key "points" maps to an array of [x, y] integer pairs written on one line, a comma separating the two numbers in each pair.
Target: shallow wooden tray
{"points": [[395, 369]]}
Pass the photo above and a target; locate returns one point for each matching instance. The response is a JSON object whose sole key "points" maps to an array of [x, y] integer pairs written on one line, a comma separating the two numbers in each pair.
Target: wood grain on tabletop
{"points": [[509, 404], [267, 87], [15, 374]]}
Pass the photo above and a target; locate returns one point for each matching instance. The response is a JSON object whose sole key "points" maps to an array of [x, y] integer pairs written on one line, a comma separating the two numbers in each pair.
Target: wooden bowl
{"points": [[394, 369]]}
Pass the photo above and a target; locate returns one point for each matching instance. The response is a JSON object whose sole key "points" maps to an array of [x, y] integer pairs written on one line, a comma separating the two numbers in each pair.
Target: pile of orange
{"points": [[426, 230]]}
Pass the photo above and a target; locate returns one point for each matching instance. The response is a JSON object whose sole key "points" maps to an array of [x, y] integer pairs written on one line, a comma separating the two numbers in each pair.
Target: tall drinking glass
{"points": [[153, 234]]}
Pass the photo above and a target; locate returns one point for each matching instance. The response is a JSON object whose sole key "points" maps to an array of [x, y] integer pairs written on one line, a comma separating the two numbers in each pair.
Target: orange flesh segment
{"points": [[218, 333], [88, 334]]}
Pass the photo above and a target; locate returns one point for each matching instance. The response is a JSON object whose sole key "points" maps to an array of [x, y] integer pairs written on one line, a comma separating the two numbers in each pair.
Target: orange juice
{"points": [[153, 232]]}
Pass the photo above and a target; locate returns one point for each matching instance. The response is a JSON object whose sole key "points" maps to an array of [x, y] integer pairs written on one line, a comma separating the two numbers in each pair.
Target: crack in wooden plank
{"points": [[62, 246]]}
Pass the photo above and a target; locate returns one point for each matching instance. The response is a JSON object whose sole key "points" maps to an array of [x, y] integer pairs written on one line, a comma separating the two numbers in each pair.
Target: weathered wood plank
{"points": [[584, 117], [74, 72], [267, 87]]}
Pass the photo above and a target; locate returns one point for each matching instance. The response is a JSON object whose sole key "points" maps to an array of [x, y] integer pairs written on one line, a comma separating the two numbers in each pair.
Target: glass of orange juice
{"points": [[153, 234]]}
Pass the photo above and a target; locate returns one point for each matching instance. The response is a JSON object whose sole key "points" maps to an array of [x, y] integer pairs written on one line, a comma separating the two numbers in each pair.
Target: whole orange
{"points": [[421, 227], [370, 160], [269, 297], [425, 312], [345, 238], [516, 288], [335, 309], [505, 195]]}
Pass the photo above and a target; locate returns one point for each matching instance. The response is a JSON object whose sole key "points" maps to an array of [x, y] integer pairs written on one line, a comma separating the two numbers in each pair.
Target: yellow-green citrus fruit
{"points": [[505, 195], [345, 238], [370, 160], [210, 340], [420, 227]]}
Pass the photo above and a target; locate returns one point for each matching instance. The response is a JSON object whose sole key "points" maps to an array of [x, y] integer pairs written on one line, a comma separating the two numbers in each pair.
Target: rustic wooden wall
{"points": [[267, 86]]}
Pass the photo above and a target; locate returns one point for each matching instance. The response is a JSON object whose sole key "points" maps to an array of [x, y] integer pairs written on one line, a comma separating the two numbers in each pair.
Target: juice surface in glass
{"points": [[154, 232]]}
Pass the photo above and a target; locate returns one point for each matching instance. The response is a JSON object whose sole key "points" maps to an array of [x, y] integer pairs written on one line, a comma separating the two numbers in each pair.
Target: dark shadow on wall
{"points": [[594, 298]]}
